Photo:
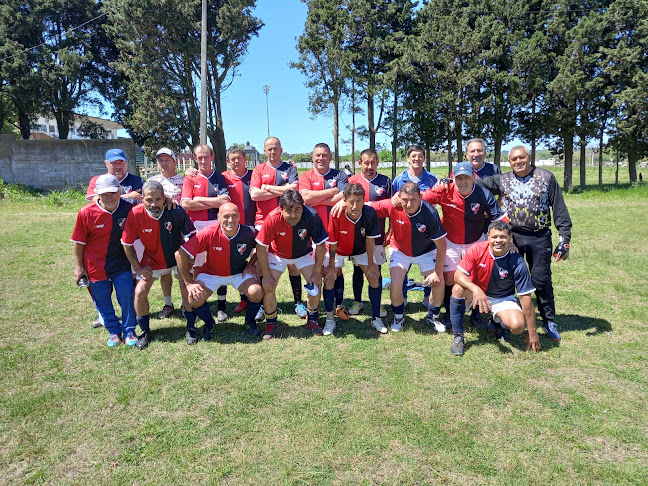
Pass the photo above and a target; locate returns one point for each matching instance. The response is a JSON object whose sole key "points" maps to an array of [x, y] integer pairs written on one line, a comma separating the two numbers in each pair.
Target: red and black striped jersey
{"points": [[464, 216], [498, 277], [161, 236], [129, 183], [101, 231], [377, 189], [265, 173], [413, 235], [314, 181], [225, 256], [239, 193], [199, 185], [292, 242], [350, 235]]}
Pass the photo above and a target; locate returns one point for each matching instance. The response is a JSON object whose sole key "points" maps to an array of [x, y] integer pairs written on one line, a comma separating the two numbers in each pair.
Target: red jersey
{"points": [[161, 236], [225, 256], [213, 186], [129, 183], [292, 242], [264, 173], [314, 181], [350, 235], [377, 189], [239, 192], [100, 231]]}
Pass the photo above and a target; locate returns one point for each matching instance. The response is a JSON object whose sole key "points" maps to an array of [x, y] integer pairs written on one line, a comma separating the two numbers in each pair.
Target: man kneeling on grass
{"points": [[228, 245], [489, 275]]}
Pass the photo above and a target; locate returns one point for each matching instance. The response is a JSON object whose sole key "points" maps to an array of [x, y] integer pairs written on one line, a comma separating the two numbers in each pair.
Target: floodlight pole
{"points": [[266, 90], [203, 74]]}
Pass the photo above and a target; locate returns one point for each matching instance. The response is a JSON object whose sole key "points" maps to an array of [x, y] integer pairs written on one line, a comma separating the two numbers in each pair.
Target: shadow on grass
{"points": [[573, 322]]}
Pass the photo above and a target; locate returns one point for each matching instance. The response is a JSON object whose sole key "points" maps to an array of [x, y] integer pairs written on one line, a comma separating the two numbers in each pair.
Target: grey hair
{"points": [[475, 140], [152, 185]]}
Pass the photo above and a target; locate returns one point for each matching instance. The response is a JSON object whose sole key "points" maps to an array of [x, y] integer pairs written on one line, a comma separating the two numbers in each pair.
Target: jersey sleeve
{"points": [[190, 246], [265, 237], [494, 210], [305, 182], [523, 283], [561, 217], [293, 175], [467, 264], [434, 195], [435, 221], [382, 207], [130, 234], [255, 180], [373, 228], [342, 180], [333, 233], [491, 183], [318, 232], [92, 191], [187, 188], [79, 234], [188, 227]]}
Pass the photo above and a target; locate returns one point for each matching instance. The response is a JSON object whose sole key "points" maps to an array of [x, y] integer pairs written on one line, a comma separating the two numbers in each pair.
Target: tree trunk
{"points": [[600, 161], [427, 156], [459, 139], [533, 132], [370, 121], [450, 137], [353, 157], [568, 143], [632, 166], [616, 173], [217, 134], [63, 119], [394, 132], [497, 156], [582, 161], [336, 133], [23, 121]]}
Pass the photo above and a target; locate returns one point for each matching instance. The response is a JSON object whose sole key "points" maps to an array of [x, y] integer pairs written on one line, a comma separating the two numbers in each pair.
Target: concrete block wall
{"points": [[57, 164]]}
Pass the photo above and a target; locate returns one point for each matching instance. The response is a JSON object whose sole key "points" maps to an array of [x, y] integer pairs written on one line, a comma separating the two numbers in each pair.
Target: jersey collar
{"points": [[158, 218], [228, 237], [105, 210]]}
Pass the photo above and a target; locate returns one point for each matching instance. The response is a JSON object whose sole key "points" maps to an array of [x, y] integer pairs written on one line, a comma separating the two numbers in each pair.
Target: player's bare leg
{"points": [[142, 289], [397, 275]]}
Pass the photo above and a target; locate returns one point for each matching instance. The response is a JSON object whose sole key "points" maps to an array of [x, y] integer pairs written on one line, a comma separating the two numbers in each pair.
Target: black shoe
{"points": [[207, 332], [477, 322], [457, 347], [143, 340], [192, 338], [253, 329]]}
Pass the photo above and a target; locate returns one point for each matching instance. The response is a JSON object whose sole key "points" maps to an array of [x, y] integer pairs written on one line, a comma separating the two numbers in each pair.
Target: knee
{"points": [[517, 325], [255, 293], [458, 291], [373, 281], [141, 291]]}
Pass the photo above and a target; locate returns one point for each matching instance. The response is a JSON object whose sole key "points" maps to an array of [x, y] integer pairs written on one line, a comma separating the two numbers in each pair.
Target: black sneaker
{"points": [[192, 338], [477, 322], [143, 340], [457, 347], [253, 329], [207, 332]]}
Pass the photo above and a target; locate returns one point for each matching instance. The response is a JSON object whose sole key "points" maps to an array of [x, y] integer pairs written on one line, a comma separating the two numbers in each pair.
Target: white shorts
{"points": [[278, 263], [455, 252], [212, 282], [425, 262], [499, 305], [165, 271]]}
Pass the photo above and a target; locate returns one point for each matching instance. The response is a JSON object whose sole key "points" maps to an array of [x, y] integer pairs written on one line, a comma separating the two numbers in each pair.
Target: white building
{"points": [[46, 127]]}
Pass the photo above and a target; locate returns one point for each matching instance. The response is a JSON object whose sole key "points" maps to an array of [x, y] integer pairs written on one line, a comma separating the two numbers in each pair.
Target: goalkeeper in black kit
{"points": [[529, 195]]}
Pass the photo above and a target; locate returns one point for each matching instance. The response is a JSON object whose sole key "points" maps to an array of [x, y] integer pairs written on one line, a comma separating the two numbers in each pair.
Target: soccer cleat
{"points": [[300, 310], [97, 323], [383, 312], [166, 311], [397, 325], [221, 316], [191, 337], [503, 333], [114, 340], [270, 330], [457, 347], [143, 340], [314, 328], [342, 313], [433, 321], [355, 308], [131, 339], [241, 306], [207, 332], [551, 330], [253, 329], [378, 325], [260, 317], [329, 327], [478, 323], [490, 326]]}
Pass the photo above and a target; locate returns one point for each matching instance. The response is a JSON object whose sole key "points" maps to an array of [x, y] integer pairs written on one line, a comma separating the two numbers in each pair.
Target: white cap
{"points": [[106, 183], [166, 151]]}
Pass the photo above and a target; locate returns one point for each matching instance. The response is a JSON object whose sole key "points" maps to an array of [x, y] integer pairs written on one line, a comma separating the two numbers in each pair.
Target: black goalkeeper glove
{"points": [[562, 250]]}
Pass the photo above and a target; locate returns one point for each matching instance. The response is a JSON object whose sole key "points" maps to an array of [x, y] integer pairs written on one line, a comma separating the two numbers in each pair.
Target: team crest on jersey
{"points": [[421, 227], [284, 175], [362, 232], [168, 226], [241, 247], [302, 233], [503, 273], [475, 207], [333, 182], [126, 189], [121, 222], [380, 190]]}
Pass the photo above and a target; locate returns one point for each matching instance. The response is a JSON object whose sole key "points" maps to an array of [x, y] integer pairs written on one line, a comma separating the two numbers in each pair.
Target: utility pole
{"points": [[266, 90], [203, 75]]}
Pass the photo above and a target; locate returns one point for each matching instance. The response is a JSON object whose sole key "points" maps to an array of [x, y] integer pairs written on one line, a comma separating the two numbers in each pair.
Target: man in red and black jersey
{"points": [[269, 182], [419, 238], [205, 191], [287, 237], [352, 235], [130, 184], [466, 206], [161, 231], [228, 246], [489, 275], [321, 187], [101, 259]]}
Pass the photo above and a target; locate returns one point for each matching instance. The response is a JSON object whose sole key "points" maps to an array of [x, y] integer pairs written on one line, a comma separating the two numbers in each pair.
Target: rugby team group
{"points": [[245, 228]]}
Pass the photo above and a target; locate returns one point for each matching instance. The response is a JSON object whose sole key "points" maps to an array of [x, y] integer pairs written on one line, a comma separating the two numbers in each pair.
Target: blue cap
{"points": [[115, 154], [464, 168]]}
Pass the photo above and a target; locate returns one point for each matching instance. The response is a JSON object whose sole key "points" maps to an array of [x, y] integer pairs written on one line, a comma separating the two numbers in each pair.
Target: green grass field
{"points": [[353, 408]]}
